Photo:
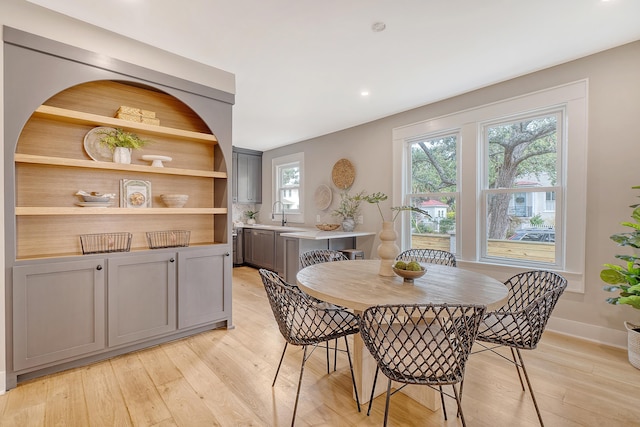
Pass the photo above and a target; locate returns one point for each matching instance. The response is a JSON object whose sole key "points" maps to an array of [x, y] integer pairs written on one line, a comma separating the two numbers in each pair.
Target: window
{"points": [[288, 174], [508, 175], [433, 178], [521, 166]]}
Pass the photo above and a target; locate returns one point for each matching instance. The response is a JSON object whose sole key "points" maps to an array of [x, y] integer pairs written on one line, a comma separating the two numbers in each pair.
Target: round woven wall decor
{"points": [[343, 174]]}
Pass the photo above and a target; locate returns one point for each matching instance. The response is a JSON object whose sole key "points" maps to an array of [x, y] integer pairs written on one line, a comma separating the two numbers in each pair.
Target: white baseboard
{"points": [[3, 382], [598, 334]]}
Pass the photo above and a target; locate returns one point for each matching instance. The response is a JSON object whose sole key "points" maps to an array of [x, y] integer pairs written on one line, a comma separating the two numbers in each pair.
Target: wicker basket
{"points": [[168, 239], [633, 343], [105, 242], [327, 227]]}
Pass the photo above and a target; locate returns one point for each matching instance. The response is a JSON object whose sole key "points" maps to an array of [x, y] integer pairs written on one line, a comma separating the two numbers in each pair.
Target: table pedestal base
{"points": [[364, 368]]}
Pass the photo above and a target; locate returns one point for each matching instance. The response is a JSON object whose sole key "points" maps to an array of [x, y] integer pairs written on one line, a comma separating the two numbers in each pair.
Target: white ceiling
{"points": [[301, 66]]}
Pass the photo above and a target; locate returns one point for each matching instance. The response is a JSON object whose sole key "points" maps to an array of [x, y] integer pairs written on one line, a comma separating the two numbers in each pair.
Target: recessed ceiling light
{"points": [[364, 93], [378, 26]]}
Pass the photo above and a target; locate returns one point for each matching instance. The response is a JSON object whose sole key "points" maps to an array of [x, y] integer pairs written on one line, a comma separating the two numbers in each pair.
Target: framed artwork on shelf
{"points": [[135, 193]]}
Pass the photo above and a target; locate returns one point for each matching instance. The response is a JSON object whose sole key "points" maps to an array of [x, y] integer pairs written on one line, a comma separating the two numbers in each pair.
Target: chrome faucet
{"points": [[273, 212]]}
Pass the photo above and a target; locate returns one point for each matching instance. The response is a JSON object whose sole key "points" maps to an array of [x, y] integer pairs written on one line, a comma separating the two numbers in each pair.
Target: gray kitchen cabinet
{"points": [[58, 311], [201, 294], [260, 248], [279, 253], [247, 176], [142, 297]]}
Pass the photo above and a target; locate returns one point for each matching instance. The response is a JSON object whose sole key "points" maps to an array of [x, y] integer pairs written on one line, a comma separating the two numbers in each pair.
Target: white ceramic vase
{"points": [[387, 250], [122, 155]]}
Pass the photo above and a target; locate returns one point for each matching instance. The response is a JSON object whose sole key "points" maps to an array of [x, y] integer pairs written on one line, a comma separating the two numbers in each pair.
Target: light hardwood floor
{"points": [[223, 377]]}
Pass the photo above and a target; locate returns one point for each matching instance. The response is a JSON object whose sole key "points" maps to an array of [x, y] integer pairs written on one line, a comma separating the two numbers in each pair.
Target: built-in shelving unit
{"points": [[51, 166]]}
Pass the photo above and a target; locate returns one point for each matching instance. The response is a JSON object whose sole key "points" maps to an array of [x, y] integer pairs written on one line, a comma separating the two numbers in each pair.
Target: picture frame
{"points": [[135, 193]]}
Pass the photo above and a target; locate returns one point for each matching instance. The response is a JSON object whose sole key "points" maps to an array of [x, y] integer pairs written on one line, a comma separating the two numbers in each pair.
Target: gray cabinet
{"points": [[201, 294], [247, 176], [142, 297], [260, 248], [58, 311]]}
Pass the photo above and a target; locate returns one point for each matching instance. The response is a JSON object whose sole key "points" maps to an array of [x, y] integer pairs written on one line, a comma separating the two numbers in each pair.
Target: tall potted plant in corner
{"points": [[388, 250], [625, 280]]}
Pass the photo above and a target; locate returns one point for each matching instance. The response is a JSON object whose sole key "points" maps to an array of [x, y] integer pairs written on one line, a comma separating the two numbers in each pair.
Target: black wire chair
{"points": [[430, 256], [304, 321], [319, 256], [421, 344], [519, 324]]}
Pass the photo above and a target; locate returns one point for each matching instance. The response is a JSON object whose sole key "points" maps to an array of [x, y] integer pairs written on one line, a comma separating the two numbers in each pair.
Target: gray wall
{"points": [[614, 110]]}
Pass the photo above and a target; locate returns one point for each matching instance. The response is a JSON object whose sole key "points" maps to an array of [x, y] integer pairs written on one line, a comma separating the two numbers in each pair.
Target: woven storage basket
{"points": [[633, 343]]}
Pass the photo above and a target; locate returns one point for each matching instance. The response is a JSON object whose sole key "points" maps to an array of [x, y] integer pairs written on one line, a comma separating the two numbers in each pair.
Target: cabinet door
{"points": [[142, 297], [264, 249], [279, 254], [234, 175], [249, 178], [201, 292], [58, 312], [247, 246]]}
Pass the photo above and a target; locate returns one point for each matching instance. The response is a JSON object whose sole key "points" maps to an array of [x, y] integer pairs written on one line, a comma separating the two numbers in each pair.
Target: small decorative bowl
{"points": [[327, 227], [409, 275], [174, 200], [96, 197]]}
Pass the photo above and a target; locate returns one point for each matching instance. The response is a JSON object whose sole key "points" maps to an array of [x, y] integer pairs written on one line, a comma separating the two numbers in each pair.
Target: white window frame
{"points": [[573, 98], [296, 159]]}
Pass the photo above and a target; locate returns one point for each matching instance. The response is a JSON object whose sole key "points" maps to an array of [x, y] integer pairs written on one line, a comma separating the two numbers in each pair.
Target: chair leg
{"points": [[328, 368], [444, 408], [353, 377], [295, 406], [459, 402], [386, 406], [335, 355], [533, 396], [373, 389], [279, 364], [515, 362]]}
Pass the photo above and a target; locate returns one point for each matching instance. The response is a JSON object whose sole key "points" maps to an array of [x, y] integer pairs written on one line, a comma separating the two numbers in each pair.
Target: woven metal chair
{"points": [[430, 256], [421, 344], [319, 256], [519, 324], [304, 321]]}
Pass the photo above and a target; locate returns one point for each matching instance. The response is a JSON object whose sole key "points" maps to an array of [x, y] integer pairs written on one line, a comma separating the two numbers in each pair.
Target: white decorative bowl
{"points": [[96, 198], [174, 200]]}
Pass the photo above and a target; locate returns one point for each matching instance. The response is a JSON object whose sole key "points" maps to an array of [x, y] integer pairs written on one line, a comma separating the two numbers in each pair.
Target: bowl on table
{"points": [[409, 275], [174, 200]]}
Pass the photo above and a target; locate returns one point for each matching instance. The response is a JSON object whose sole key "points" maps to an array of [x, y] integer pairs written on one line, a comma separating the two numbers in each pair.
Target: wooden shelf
{"points": [[71, 116], [59, 161], [48, 211]]}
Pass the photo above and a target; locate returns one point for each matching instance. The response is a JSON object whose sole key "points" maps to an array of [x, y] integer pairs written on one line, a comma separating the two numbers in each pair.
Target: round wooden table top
{"points": [[357, 285]]}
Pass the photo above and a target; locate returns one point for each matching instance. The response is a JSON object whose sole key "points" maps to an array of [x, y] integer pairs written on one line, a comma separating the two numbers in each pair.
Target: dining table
{"points": [[356, 285]]}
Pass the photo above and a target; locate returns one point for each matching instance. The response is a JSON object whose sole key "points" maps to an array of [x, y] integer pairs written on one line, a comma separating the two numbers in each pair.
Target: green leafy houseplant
{"points": [[625, 279], [381, 197], [251, 214], [349, 206], [121, 138]]}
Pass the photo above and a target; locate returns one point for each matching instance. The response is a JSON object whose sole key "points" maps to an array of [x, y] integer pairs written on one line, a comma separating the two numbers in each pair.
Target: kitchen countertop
{"points": [[308, 233], [322, 235]]}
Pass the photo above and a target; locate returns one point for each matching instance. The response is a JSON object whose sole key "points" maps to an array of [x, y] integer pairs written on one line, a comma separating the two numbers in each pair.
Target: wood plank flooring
{"points": [[223, 378]]}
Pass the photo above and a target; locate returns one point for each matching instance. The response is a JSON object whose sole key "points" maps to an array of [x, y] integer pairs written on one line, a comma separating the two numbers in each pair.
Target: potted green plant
{"points": [[625, 279], [252, 217], [348, 209], [121, 142]]}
